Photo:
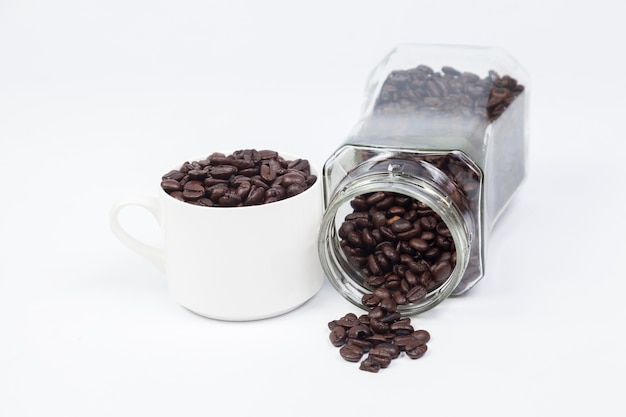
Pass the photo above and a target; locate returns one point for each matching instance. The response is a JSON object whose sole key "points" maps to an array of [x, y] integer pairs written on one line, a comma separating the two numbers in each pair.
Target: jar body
{"points": [[446, 127]]}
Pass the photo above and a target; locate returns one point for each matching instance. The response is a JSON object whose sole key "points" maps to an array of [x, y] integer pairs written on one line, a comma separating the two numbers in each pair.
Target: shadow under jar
{"points": [[412, 194]]}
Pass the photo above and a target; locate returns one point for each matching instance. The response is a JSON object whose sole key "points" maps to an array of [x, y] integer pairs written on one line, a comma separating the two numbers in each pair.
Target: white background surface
{"points": [[97, 98]]}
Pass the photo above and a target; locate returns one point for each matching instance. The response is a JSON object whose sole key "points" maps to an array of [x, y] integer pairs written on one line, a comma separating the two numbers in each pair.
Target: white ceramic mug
{"points": [[235, 263]]}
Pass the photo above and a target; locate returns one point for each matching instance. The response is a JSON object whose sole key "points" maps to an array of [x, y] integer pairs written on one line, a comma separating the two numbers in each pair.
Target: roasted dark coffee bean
{"points": [[363, 344], [175, 175], [417, 352], [193, 190], [422, 336], [277, 192], [229, 200], [375, 198], [368, 238], [375, 281], [441, 270], [382, 293], [295, 189], [416, 294], [291, 178], [377, 339], [268, 174], [376, 313], [223, 172], [402, 327], [268, 154], [346, 228], [405, 341], [385, 203], [299, 164], [359, 332], [171, 185], [401, 225], [391, 253], [244, 190], [391, 317], [217, 192], [382, 356], [203, 201], [255, 196], [351, 352], [409, 234], [197, 174], [428, 223], [338, 336], [378, 326], [393, 350], [373, 264], [419, 244], [432, 253], [349, 320], [370, 365], [370, 300]]}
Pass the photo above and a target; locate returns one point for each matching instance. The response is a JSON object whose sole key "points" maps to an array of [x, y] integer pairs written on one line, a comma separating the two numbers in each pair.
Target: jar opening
{"points": [[402, 237]]}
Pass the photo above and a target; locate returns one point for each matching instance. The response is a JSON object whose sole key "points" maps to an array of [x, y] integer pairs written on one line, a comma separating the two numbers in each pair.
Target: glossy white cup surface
{"points": [[234, 263]]}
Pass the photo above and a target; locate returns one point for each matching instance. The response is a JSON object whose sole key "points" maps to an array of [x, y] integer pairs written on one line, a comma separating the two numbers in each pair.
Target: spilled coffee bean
{"points": [[245, 178], [383, 334]]}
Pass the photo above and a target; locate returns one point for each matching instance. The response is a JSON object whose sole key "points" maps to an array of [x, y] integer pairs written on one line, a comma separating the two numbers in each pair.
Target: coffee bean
{"points": [[223, 172], [393, 350], [267, 174], [416, 294], [441, 270], [401, 327], [229, 199], [401, 225], [338, 336], [193, 190], [363, 344], [255, 196], [351, 352], [421, 336], [417, 352], [349, 320], [370, 300], [171, 185], [382, 356], [370, 365], [359, 332]]}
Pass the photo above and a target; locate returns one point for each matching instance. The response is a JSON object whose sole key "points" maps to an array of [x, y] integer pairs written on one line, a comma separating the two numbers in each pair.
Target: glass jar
{"points": [[411, 196]]}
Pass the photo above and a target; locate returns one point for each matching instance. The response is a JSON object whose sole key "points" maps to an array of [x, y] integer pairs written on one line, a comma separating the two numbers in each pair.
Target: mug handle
{"points": [[152, 204]]}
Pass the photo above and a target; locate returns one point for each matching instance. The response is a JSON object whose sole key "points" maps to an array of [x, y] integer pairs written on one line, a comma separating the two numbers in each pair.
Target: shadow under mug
{"points": [[234, 263]]}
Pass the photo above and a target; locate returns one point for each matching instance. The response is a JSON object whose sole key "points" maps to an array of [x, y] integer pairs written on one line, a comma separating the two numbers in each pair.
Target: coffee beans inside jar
{"points": [[244, 178], [399, 244]]}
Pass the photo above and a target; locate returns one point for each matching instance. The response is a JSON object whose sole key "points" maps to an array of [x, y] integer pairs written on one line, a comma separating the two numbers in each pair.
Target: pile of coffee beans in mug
{"points": [[382, 333], [399, 244], [246, 177]]}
